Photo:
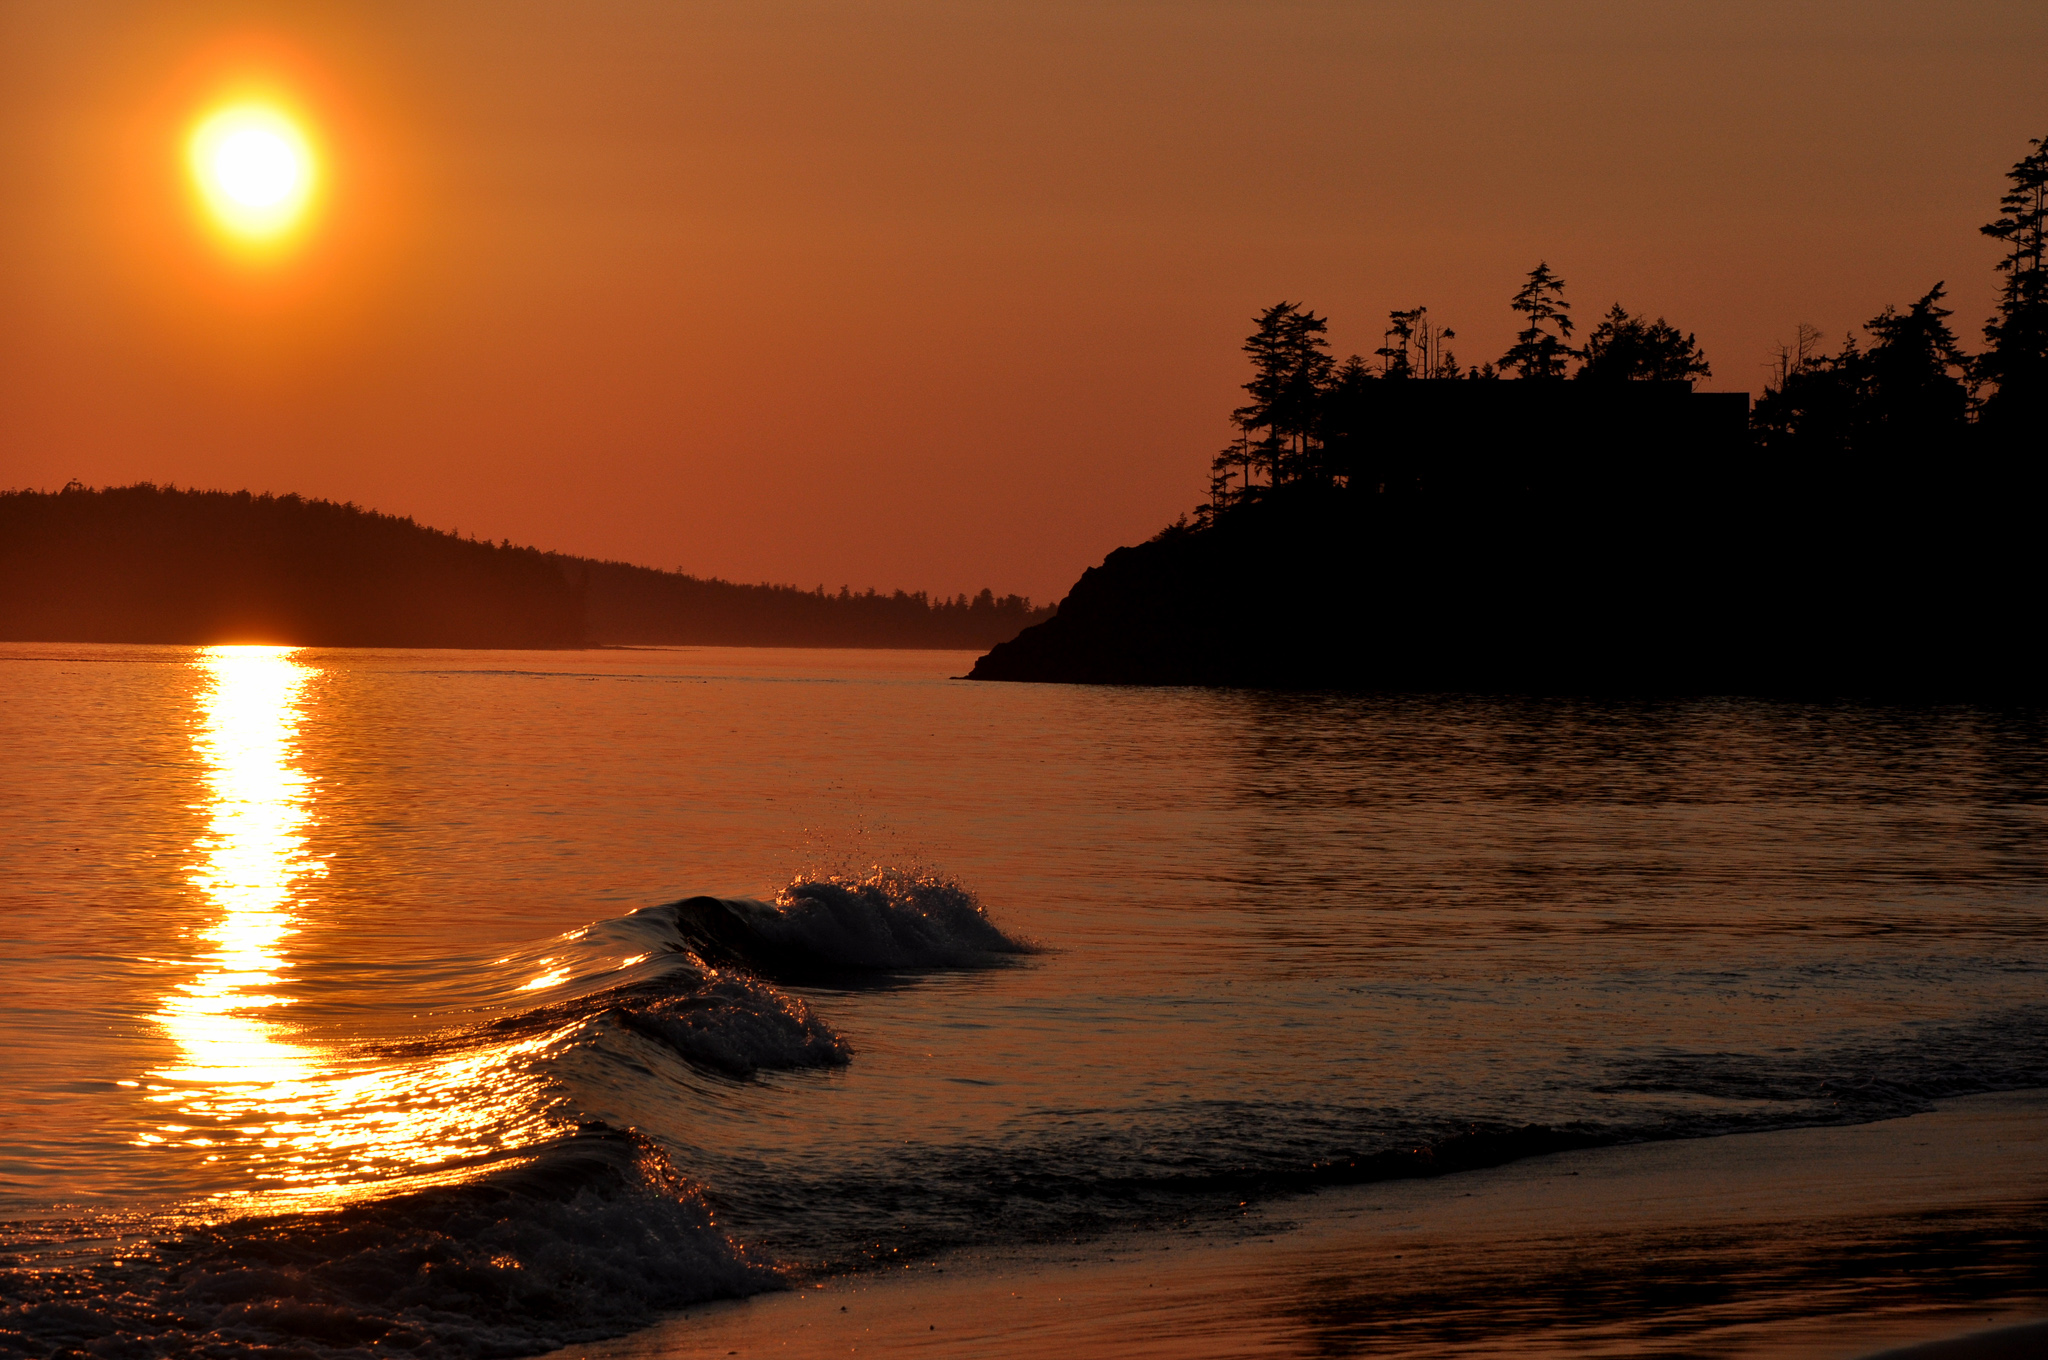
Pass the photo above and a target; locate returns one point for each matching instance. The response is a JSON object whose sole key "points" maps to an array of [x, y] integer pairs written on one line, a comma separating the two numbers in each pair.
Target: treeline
{"points": [[1315, 424], [154, 564], [629, 604], [1905, 402], [1596, 525]]}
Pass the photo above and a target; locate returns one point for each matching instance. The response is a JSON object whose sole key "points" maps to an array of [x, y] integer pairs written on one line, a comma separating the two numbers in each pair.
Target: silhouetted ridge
{"points": [[1521, 592], [154, 564], [151, 564], [1418, 525], [640, 605]]}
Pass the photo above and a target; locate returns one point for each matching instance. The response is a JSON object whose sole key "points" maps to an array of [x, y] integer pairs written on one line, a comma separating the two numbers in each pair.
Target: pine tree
{"points": [[1627, 348], [1891, 411], [1236, 456], [1807, 418], [1916, 400], [2017, 360], [1352, 440], [1290, 369], [1540, 349]]}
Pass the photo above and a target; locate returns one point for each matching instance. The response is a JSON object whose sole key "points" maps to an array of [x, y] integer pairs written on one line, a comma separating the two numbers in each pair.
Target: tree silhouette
{"points": [[1414, 347], [1540, 349], [1437, 359], [1290, 368], [1627, 348], [1807, 417], [2017, 360], [1915, 397], [1396, 355], [1237, 456], [1354, 447], [1902, 401], [1795, 357]]}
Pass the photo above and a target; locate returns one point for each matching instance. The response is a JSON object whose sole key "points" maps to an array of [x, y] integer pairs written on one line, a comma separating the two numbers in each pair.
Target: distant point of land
{"points": [[1594, 524], [152, 564]]}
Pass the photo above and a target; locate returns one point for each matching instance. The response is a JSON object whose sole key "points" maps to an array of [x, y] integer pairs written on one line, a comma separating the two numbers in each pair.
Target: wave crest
{"points": [[735, 1025], [588, 1236], [837, 928]]}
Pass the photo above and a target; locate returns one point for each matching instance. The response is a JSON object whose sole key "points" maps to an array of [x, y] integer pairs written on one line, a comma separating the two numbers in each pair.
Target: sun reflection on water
{"points": [[246, 1090], [253, 857]]}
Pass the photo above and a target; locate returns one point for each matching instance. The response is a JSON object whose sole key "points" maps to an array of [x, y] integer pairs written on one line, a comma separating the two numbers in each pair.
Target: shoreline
{"points": [[1835, 1242]]}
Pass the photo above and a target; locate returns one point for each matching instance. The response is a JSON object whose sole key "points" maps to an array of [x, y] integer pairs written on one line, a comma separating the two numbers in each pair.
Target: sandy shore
{"points": [[1830, 1243], [2024, 1341]]}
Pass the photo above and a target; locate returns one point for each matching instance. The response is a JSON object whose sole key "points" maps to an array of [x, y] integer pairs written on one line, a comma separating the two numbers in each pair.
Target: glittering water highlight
{"points": [[470, 1003]]}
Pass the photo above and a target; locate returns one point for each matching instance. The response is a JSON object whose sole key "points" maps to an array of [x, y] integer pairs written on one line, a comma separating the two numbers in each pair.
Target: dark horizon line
{"points": [[846, 591]]}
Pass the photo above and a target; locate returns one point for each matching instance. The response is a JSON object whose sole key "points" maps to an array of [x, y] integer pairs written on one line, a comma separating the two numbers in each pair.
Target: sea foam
{"points": [[837, 929], [589, 1235]]}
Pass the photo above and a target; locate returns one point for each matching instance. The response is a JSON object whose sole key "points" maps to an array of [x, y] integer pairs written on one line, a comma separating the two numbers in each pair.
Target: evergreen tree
{"points": [[2017, 360], [1808, 417], [1627, 348], [1540, 349], [1915, 399], [1291, 367], [1235, 456], [1351, 445], [1350, 377], [1899, 405]]}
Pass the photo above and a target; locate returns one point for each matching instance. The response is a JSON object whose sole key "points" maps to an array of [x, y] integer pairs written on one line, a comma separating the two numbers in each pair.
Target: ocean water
{"points": [[464, 1004]]}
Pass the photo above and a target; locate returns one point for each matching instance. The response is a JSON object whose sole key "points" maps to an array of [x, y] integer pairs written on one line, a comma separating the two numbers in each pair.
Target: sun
{"points": [[254, 169]]}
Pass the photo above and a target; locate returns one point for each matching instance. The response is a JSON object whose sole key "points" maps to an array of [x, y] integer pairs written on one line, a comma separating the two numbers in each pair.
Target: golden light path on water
{"points": [[244, 1091]]}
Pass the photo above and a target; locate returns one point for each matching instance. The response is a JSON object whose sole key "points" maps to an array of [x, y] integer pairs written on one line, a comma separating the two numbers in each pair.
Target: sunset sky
{"points": [[931, 295]]}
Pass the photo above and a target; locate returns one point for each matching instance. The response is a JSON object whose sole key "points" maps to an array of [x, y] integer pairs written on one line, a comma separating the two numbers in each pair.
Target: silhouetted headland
{"points": [[150, 564], [1595, 523]]}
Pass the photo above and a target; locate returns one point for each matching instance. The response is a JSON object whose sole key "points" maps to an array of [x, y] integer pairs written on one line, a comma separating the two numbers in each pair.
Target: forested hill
{"points": [[1872, 526], [155, 564], [1927, 598]]}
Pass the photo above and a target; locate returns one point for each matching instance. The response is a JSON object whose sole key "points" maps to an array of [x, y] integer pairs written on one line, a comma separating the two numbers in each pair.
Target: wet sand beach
{"points": [[1829, 1242]]}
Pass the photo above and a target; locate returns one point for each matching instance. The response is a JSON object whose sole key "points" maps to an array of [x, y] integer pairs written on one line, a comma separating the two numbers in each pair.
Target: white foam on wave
{"points": [[582, 1236], [736, 1025], [699, 976], [589, 1236], [891, 920]]}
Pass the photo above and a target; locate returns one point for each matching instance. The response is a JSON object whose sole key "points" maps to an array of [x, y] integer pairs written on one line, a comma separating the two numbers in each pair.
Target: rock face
{"points": [[1535, 596]]}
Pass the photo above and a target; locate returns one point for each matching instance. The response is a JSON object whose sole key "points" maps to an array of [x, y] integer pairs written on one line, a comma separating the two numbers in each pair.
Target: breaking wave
{"points": [[599, 1228], [582, 1237], [588, 1233], [841, 929]]}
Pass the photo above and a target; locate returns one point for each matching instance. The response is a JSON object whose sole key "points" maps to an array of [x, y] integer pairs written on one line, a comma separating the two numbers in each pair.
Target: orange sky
{"points": [[938, 295]]}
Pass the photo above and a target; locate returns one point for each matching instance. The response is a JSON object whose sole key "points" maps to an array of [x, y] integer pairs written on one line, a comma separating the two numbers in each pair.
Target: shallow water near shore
{"points": [[484, 1003], [1799, 1244]]}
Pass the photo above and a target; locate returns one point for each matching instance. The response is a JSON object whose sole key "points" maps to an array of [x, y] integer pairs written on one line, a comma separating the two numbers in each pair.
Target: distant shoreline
{"points": [[146, 565], [582, 647]]}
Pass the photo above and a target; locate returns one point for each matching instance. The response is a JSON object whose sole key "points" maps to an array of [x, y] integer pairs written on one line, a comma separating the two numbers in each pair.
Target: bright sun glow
{"points": [[254, 168], [244, 1090]]}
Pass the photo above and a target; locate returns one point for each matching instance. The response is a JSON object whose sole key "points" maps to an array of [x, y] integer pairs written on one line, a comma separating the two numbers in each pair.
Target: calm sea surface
{"points": [[476, 1003]]}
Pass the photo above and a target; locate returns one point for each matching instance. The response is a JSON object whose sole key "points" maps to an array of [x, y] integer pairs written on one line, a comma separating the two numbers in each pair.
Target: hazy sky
{"points": [[922, 294]]}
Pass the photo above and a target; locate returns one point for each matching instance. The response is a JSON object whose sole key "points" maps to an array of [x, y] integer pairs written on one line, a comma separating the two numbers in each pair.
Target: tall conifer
{"points": [[1291, 367], [1627, 348], [2017, 360], [1540, 349]]}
